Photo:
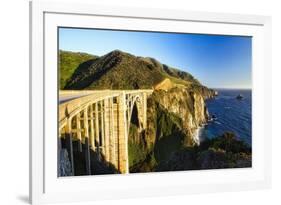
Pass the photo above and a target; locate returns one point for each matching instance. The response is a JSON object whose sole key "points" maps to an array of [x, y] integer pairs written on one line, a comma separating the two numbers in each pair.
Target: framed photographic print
{"points": [[129, 102]]}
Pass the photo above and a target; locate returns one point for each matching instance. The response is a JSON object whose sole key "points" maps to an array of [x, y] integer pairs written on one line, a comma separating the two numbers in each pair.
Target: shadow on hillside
{"points": [[82, 68], [90, 71], [98, 164]]}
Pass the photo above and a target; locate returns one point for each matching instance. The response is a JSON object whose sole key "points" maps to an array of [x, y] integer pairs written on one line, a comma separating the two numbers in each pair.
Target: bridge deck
{"points": [[68, 95]]}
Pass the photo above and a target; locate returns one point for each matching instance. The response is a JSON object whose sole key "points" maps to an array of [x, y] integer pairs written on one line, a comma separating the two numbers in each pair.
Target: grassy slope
{"points": [[69, 62]]}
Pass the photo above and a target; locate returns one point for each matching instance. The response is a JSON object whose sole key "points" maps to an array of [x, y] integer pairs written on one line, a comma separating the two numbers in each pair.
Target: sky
{"points": [[217, 61]]}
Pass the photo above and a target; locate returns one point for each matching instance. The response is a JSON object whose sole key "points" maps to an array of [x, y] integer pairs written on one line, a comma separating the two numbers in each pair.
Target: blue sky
{"points": [[216, 61]]}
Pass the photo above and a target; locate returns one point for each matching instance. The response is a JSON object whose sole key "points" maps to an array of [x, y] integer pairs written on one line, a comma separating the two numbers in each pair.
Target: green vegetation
{"points": [[137, 150], [222, 152], [116, 70], [163, 137], [69, 62], [227, 142], [169, 134]]}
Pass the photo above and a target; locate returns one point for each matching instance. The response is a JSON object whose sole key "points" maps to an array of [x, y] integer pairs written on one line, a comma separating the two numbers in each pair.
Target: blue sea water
{"points": [[230, 114]]}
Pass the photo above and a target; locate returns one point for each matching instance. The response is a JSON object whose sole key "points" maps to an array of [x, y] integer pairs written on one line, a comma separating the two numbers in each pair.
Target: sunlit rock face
{"points": [[188, 105]]}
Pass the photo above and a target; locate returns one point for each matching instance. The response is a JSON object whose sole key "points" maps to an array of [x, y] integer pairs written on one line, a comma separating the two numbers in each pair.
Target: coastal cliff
{"points": [[189, 106], [173, 119]]}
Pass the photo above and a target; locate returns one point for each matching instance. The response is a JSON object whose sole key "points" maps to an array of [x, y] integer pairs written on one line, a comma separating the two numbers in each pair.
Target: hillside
{"points": [[117, 70], [69, 62]]}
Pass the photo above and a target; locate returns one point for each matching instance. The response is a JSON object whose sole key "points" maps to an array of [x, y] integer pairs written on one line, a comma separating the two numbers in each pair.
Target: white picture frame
{"points": [[46, 187]]}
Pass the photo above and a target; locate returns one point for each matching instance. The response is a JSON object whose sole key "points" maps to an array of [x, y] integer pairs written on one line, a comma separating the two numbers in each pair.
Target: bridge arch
{"points": [[137, 102]]}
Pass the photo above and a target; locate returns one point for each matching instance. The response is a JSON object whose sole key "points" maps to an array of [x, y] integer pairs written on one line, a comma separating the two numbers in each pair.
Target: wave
{"points": [[198, 133]]}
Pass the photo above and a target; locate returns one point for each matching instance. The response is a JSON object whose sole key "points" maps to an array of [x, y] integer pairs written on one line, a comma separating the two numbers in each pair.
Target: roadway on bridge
{"points": [[68, 95], [66, 98]]}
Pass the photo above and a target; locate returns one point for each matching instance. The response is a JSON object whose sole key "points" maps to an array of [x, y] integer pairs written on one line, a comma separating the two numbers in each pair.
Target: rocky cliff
{"points": [[188, 105], [173, 119]]}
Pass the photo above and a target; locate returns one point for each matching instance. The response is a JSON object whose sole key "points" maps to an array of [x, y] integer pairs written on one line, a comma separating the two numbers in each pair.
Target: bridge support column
{"points": [[79, 136], [92, 129], [122, 134], [116, 133], [97, 136], [106, 129], [112, 134], [69, 145], [102, 129], [87, 147], [144, 107]]}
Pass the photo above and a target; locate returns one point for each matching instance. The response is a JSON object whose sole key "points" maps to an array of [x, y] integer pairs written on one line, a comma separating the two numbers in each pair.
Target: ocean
{"points": [[229, 114]]}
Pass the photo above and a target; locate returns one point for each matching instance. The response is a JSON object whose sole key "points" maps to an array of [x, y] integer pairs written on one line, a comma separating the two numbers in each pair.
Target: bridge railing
{"points": [[70, 108]]}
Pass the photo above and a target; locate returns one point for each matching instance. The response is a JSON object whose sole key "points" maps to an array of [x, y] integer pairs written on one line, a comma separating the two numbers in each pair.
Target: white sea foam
{"points": [[197, 134]]}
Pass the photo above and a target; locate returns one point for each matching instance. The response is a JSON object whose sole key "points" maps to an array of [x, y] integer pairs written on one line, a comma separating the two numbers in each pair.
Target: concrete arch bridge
{"points": [[99, 121]]}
